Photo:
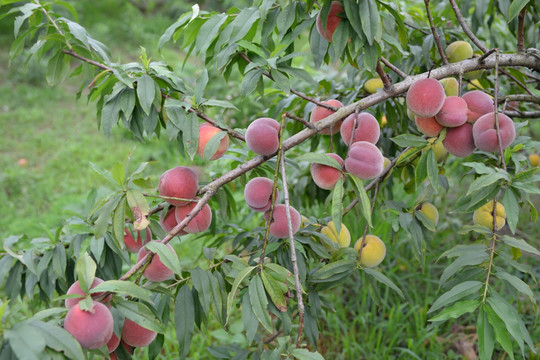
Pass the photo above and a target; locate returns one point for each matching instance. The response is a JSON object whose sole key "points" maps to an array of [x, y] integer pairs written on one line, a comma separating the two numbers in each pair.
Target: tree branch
{"points": [[435, 34], [465, 27], [521, 30], [386, 81], [393, 68]]}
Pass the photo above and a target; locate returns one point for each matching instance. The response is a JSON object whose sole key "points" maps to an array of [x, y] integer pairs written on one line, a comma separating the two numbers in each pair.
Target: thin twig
{"points": [[53, 23], [293, 252], [416, 28], [496, 108], [385, 79], [485, 55], [299, 119], [517, 81], [71, 52], [435, 34], [212, 122], [393, 67], [521, 30], [465, 27]]}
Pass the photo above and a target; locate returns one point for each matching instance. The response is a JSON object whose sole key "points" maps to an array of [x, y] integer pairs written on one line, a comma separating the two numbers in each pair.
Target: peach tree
{"points": [[296, 74]]}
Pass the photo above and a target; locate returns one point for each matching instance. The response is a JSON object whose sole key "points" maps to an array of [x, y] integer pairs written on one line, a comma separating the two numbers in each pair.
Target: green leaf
{"points": [[466, 259], [334, 271], [486, 337], [212, 146], [484, 181], [406, 140], [501, 333], [319, 46], [86, 271], [456, 310], [59, 339], [371, 22], [249, 83], [282, 81], [323, 159], [363, 199], [209, 291], [200, 86], [220, 103], [337, 205], [520, 244], [517, 283], [259, 303], [237, 281], [285, 19], [78, 32], [515, 8], [119, 223], [57, 68], [26, 341], [109, 115], [184, 319], [380, 277], [208, 32], [248, 318], [421, 171], [459, 291], [305, 354], [140, 314], [243, 23], [146, 92], [123, 287], [274, 290], [167, 257], [432, 169], [190, 132], [511, 208]]}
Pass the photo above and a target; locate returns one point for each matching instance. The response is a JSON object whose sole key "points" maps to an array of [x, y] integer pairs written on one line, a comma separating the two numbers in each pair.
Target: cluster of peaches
{"points": [[469, 119]]}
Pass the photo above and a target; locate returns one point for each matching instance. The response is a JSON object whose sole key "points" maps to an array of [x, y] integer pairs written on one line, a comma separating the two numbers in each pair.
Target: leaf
{"points": [[305, 354], [371, 22], [421, 171], [432, 169], [140, 314], [365, 204], [248, 318], [459, 291], [469, 258], [380, 277], [200, 86], [184, 319], [237, 281], [517, 283], [501, 333], [208, 32], [220, 103], [484, 181], [119, 223], [273, 289], [334, 271], [406, 140], [520, 244], [86, 271], [167, 257], [511, 208], [212, 146], [57, 68], [190, 132], [243, 23], [282, 81], [323, 159], [78, 32], [486, 337], [249, 83], [26, 341], [456, 310], [59, 339], [139, 207], [337, 204], [123, 287], [259, 303], [146, 92], [208, 288], [515, 8]]}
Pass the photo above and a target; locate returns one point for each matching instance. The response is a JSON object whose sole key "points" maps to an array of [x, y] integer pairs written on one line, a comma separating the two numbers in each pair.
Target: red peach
{"points": [[367, 128], [453, 112], [320, 113], [485, 133], [75, 288], [478, 103], [364, 160], [428, 126], [425, 97], [326, 176], [155, 271], [179, 182], [201, 221], [135, 335], [332, 21], [459, 140], [133, 245], [206, 133], [258, 193], [278, 225], [93, 328], [262, 136]]}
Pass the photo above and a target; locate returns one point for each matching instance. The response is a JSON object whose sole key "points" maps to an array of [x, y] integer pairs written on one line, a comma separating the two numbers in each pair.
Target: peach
{"points": [[258, 193], [113, 343], [458, 51], [372, 85], [155, 271], [332, 21], [364, 160], [278, 225], [453, 112], [485, 133], [534, 159], [326, 176], [428, 126], [135, 335], [75, 288], [373, 251], [478, 103], [168, 220], [201, 222], [133, 245], [262, 136], [459, 140], [179, 182], [425, 97], [93, 328], [451, 86], [367, 128], [206, 133], [320, 113]]}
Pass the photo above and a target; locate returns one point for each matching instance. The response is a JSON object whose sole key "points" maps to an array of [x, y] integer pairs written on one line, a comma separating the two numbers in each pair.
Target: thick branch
{"points": [[386, 81], [523, 114], [520, 97], [521, 30]]}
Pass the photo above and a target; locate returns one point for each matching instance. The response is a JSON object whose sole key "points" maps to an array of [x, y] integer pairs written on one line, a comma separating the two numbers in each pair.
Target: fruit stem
{"points": [[496, 108], [492, 250]]}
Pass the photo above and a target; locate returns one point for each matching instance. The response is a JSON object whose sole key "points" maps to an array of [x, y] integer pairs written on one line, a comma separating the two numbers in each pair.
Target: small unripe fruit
{"points": [[367, 128], [93, 328], [439, 151], [425, 97], [206, 133], [372, 85], [332, 21], [458, 51], [179, 182], [535, 160], [485, 133], [135, 335], [155, 271], [262, 136], [278, 224], [373, 252], [451, 86], [344, 237], [326, 176], [320, 113], [430, 211], [484, 215]]}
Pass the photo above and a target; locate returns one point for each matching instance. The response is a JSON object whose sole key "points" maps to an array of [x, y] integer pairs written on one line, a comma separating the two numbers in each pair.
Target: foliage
{"points": [[270, 56]]}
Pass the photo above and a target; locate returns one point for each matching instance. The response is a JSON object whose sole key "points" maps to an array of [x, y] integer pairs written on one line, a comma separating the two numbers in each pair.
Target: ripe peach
{"points": [[373, 252], [332, 21], [206, 133], [180, 182], [133, 245], [458, 51], [135, 335], [459, 140], [155, 271], [367, 128], [258, 193], [453, 112], [478, 103], [92, 328], [364, 160], [75, 288], [326, 176], [428, 126], [168, 220], [201, 221], [425, 97], [262, 136], [113, 343], [278, 225], [342, 240], [485, 133], [320, 113]]}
